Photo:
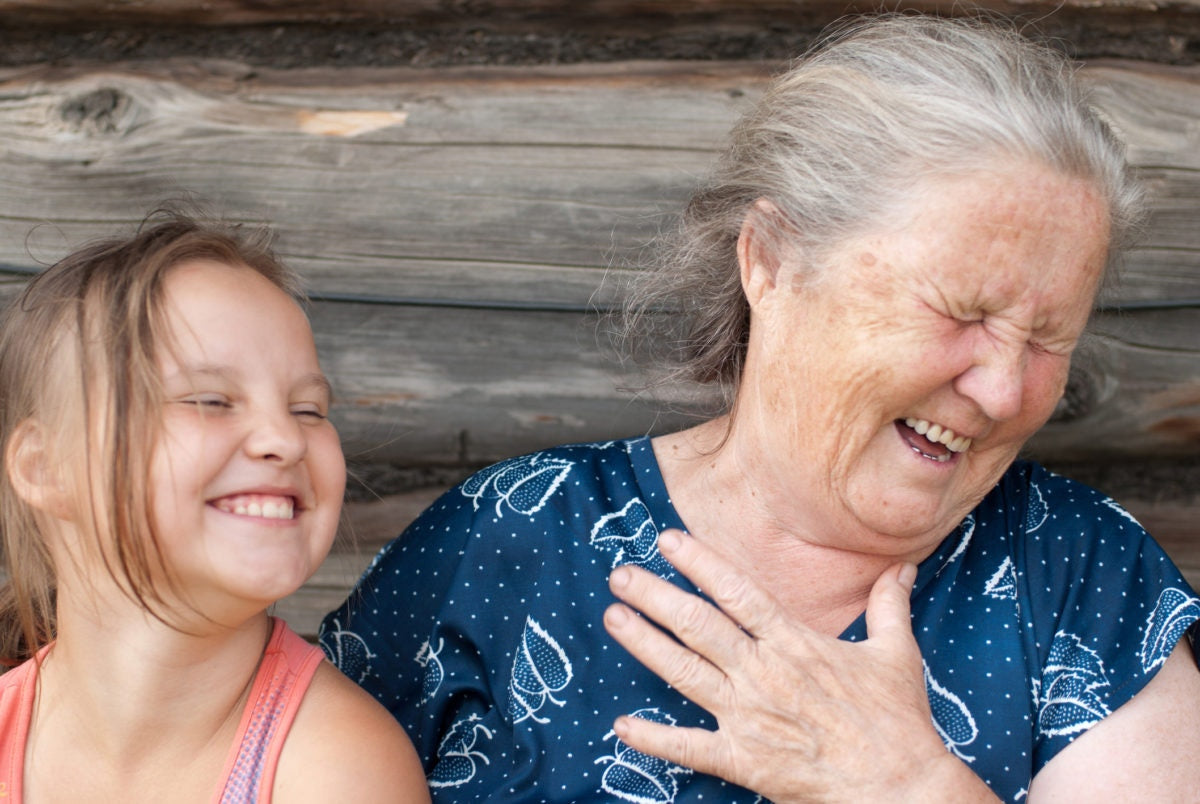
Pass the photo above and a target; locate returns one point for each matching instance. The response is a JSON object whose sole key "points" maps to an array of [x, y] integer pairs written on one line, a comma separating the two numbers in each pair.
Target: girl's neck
{"points": [[129, 695]]}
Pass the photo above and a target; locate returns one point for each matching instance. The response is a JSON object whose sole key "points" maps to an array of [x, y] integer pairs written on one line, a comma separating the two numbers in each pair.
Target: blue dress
{"points": [[480, 629]]}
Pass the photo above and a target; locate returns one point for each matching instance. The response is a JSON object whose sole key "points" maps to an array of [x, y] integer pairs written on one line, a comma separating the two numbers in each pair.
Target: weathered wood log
{"points": [[454, 225], [611, 12], [440, 33]]}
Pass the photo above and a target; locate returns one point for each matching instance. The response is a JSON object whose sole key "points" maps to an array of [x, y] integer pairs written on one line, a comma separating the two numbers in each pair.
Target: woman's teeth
{"points": [[940, 435], [259, 506]]}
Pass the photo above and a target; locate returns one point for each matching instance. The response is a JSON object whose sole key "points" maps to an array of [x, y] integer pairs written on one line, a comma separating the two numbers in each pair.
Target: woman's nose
{"points": [[276, 436], [995, 380]]}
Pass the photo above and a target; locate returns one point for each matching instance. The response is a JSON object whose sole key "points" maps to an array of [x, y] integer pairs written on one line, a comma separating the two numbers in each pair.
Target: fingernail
{"points": [[620, 727], [616, 615], [619, 577], [907, 576], [669, 541]]}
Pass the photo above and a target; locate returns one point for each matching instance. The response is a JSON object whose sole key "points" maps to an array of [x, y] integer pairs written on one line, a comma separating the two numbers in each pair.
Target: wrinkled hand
{"points": [[801, 716]]}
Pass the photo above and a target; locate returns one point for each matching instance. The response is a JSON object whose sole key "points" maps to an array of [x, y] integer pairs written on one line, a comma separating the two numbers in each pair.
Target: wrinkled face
{"points": [[247, 477], [897, 389]]}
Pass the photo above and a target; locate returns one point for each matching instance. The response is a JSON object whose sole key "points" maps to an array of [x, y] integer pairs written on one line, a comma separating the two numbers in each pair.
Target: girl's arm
{"points": [[344, 746]]}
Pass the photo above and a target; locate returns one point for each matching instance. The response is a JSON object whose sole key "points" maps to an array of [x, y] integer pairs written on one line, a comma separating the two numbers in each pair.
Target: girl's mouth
{"points": [[266, 506]]}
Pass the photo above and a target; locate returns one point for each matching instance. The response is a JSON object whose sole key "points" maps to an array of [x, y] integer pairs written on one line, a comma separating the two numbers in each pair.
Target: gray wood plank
{"points": [[738, 12], [495, 188]]}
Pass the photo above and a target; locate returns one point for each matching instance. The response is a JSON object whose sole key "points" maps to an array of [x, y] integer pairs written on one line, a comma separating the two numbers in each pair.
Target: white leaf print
{"points": [[346, 650], [1003, 583], [1116, 506], [967, 529], [637, 777], [631, 536], [431, 681], [458, 753], [953, 721], [1036, 510], [523, 484], [540, 669], [1070, 695], [1174, 612]]}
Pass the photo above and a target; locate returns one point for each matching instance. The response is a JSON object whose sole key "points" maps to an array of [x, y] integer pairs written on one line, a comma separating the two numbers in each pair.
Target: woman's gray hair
{"points": [[837, 145]]}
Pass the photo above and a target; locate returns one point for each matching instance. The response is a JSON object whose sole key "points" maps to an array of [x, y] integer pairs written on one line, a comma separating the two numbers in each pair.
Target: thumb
{"points": [[888, 606]]}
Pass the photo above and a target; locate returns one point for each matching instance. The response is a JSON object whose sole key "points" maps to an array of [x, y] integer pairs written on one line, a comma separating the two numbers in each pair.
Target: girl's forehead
{"points": [[209, 290], [234, 316]]}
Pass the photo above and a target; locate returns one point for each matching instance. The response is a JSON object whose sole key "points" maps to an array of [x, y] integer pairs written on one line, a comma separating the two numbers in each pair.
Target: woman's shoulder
{"points": [[525, 484], [1038, 504], [529, 494], [345, 746]]}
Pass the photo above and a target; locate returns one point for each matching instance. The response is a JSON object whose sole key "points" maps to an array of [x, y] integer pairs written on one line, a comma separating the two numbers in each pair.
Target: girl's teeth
{"points": [[274, 508]]}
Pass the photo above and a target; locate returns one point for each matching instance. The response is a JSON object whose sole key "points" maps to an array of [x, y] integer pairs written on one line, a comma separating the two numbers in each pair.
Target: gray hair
{"points": [[837, 144]]}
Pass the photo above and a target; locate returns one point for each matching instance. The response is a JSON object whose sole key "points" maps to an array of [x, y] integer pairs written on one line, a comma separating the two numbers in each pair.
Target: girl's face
{"points": [[246, 480]]}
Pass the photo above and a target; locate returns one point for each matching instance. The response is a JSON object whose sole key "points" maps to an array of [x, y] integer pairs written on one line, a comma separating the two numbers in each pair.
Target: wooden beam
{"points": [[671, 12], [436, 33], [456, 224]]}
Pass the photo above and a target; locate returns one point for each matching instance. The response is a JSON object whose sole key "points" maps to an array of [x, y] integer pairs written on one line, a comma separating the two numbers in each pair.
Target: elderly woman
{"points": [[889, 272]]}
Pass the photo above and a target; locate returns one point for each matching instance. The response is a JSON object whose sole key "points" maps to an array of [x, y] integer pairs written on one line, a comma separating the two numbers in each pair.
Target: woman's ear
{"points": [[33, 473], [758, 250]]}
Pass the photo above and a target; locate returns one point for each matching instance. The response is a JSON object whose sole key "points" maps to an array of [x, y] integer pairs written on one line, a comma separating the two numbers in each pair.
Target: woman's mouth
{"points": [[932, 440], [265, 506]]}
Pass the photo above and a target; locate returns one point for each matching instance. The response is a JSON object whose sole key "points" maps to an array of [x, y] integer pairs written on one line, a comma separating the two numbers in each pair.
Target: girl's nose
{"points": [[276, 436]]}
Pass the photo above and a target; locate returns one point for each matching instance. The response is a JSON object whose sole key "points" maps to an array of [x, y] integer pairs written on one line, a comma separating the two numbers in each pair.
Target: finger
{"points": [[699, 749], [888, 606], [738, 595], [684, 669], [695, 622]]}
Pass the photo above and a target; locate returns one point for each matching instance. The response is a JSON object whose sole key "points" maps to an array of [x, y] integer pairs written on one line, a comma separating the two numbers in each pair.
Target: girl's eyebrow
{"points": [[315, 380]]}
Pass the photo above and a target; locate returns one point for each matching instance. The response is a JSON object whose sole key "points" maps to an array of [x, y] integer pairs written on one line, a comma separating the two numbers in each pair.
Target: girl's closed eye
{"points": [[310, 411], [212, 402]]}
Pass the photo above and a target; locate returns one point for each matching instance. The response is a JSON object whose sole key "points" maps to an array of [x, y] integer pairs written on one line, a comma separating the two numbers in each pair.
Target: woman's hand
{"points": [[801, 716]]}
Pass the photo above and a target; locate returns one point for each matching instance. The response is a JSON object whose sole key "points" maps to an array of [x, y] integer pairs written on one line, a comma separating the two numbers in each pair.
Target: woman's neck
{"points": [[761, 526]]}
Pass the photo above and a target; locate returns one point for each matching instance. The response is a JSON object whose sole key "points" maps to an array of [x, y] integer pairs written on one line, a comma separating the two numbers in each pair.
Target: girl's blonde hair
{"points": [[78, 356]]}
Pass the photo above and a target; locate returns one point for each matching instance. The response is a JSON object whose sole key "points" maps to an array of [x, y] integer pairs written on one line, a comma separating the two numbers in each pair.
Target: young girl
{"points": [[169, 472]]}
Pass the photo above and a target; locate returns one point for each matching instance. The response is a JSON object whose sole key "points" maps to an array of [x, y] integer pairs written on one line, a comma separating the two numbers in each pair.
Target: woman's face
{"points": [[958, 324]]}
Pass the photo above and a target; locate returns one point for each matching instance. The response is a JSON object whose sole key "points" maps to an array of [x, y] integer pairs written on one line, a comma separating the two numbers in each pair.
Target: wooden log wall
{"points": [[456, 224]]}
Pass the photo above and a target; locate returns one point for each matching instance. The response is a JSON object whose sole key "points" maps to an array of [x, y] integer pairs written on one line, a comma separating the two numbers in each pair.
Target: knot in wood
{"points": [[101, 111], [1081, 396]]}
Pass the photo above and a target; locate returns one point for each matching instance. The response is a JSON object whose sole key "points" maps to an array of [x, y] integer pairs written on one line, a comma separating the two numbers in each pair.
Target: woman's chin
{"points": [[908, 521]]}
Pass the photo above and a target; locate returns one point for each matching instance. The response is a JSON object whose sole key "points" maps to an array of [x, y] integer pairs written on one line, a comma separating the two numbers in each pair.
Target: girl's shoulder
{"points": [[345, 746]]}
